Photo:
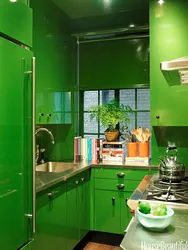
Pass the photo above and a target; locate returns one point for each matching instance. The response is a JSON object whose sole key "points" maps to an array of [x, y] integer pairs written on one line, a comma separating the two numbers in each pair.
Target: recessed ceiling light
{"points": [[131, 25], [161, 2], [13, 1]]}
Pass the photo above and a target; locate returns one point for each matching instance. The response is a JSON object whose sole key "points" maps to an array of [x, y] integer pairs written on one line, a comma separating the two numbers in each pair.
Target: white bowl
{"points": [[156, 223]]}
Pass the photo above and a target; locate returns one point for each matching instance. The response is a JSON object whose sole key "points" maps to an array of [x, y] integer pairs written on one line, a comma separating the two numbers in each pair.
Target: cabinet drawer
{"points": [[116, 185], [119, 173]]}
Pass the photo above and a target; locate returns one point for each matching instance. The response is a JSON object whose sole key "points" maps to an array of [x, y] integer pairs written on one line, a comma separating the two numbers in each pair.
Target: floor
{"points": [[98, 246], [100, 241]]}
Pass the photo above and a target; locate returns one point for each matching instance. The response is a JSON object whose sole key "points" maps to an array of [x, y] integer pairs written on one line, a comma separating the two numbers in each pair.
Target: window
{"points": [[138, 99]]}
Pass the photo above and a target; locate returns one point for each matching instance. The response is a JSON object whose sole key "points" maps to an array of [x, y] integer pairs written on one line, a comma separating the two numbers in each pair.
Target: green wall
{"points": [[115, 64], [168, 41], [55, 53]]}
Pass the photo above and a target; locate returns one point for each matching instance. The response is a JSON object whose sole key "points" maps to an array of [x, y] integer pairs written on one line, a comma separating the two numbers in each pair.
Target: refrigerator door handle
{"points": [[34, 143], [33, 74]]}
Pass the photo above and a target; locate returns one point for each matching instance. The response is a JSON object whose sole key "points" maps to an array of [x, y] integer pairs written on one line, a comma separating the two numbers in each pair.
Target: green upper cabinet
{"points": [[55, 51], [115, 64], [16, 21], [168, 41], [53, 108]]}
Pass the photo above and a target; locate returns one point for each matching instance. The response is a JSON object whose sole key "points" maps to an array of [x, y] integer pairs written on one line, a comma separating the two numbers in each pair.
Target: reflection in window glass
{"points": [[66, 101], [127, 97], [131, 126], [90, 99], [143, 99], [90, 126], [143, 119], [106, 96]]}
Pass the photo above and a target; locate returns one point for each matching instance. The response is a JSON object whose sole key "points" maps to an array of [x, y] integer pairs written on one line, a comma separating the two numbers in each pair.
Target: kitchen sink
{"points": [[55, 167]]}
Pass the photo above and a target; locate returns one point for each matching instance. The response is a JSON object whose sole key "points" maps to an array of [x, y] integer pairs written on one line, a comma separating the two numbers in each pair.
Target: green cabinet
{"points": [[16, 21], [53, 108], [168, 103], [25, 1], [112, 188], [107, 211], [77, 209], [51, 219]]}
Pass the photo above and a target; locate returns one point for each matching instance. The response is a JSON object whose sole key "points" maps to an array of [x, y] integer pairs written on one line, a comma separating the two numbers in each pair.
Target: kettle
{"points": [[171, 169]]}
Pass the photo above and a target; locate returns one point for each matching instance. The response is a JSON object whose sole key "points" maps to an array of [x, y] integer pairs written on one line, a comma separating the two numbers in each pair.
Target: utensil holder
{"points": [[132, 149], [143, 149]]}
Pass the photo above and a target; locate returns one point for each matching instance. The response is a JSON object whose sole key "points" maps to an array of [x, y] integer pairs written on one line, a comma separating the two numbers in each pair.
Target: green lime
{"points": [[144, 207], [159, 210]]}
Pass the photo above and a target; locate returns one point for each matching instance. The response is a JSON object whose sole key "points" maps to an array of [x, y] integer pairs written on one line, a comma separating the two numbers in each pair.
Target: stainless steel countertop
{"points": [[45, 180], [138, 237]]}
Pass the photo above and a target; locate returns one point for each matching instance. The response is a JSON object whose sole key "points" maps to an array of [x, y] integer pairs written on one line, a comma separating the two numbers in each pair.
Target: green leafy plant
{"points": [[110, 114]]}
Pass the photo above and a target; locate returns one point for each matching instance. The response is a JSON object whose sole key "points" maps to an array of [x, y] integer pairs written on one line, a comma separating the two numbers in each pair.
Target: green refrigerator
{"points": [[17, 88]]}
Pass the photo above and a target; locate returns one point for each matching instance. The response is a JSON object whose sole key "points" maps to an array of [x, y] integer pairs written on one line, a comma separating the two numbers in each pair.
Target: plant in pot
{"points": [[110, 114]]}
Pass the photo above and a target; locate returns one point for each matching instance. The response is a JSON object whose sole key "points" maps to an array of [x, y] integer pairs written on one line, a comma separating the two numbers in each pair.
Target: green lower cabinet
{"points": [[125, 211], [72, 217], [51, 229], [84, 207], [78, 209], [107, 211]]}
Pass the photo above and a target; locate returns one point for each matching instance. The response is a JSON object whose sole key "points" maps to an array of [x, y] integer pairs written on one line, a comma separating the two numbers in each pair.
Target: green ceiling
{"points": [[89, 15], [85, 8]]}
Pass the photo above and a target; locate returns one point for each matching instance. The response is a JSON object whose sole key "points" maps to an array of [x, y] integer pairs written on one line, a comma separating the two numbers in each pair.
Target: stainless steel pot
{"points": [[170, 169]]}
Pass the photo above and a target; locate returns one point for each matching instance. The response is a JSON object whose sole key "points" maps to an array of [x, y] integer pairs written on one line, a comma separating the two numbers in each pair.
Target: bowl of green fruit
{"points": [[154, 215]]}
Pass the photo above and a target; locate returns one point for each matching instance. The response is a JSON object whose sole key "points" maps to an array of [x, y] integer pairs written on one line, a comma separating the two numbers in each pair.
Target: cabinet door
{"points": [[25, 1], [125, 211], [12, 14], [72, 216], [84, 206], [107, 211], [51, 220]]}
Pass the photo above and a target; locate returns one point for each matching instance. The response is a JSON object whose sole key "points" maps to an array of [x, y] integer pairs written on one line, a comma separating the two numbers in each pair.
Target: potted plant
{"points": [[110, 114]]}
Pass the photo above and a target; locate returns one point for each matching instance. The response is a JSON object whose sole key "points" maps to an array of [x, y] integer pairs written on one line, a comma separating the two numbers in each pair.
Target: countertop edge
{"points": [[83, 167]]}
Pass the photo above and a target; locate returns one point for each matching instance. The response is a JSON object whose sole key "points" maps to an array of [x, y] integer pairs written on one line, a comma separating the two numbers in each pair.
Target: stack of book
{"points": [[113, 151], [87, 149]]}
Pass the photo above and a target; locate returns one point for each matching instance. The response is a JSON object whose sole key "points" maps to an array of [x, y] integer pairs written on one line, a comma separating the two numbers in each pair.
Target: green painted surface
{"points": [[125, 211], [112, 173], [98, 15], [114, 64], [78, 208], [55, 51], [113, 184], [168, 36], [51, 230], [72, 217], [16, 21], [107, 214], [15, 144], [25, 1]]}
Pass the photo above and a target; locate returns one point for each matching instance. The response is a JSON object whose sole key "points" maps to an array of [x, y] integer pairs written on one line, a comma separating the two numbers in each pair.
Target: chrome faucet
{"points": [[37, 146]]}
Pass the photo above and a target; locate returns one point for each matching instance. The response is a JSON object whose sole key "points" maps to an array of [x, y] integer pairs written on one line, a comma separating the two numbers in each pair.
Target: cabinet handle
{"points": [[121, 174], [51, 194], [113, 200], [120, 186], [126, 201], [76, 182], [82, 179]]}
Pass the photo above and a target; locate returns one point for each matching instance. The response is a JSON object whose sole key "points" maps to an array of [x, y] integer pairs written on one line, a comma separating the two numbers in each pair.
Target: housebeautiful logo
{"points": [[162, 245]]}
